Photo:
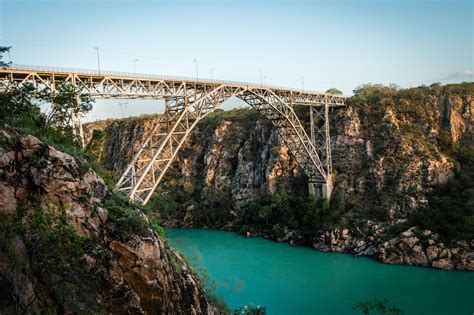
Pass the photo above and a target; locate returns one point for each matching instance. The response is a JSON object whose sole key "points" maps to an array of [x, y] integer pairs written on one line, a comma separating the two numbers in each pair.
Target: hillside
{"points": [[69, 245]]}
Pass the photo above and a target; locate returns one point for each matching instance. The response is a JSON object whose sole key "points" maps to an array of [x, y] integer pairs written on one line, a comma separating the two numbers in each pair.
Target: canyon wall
{"points": [[391, 150]]}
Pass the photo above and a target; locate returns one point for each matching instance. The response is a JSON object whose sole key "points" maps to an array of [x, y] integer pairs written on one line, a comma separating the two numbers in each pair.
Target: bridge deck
{"points": [[107, 84]]}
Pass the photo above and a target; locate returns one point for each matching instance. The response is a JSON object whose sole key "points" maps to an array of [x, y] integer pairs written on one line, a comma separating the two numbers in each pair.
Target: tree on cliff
{"points": [[66, 103], [3, 50], [334, 91], [21, 104], [21, 107]]}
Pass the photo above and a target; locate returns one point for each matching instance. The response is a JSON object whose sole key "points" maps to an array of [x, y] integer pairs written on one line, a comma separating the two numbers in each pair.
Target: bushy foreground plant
{"points": [[376, 306]]}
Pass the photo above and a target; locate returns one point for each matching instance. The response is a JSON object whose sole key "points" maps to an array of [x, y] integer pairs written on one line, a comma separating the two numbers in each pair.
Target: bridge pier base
{"points": [[320, 190]]}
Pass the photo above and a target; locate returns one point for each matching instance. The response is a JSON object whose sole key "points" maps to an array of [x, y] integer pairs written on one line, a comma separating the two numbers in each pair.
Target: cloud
{"points": [[464, 75]]}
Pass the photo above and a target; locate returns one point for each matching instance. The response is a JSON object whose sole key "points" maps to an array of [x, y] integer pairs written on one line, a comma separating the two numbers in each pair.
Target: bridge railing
{"points": [[152, 76]]}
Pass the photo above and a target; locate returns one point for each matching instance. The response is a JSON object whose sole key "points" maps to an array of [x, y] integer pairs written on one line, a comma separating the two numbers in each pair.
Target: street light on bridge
{"points": [[134, 65], [302, 84], [212, 69], [264, 79], [98, 59], [260, 72], [196, 64]]}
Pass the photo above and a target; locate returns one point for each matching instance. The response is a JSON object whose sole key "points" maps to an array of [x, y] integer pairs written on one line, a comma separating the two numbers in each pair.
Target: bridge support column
{"points": [[314, 189], [77, 130], [321, 139], [320, 190]]}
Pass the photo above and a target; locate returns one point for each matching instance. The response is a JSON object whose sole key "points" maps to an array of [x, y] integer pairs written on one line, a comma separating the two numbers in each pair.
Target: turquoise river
{"points": [[298, 280]]}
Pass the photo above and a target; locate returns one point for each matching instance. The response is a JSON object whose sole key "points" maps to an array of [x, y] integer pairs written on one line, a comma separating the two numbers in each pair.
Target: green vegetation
{"points": [[54, 250], [271, 213], [250, 310], [450, 211], [3, 50], [124, 220], [377, 306], [334, 91], [21, 107], [21, 110], [214, 208], [246, 114]]}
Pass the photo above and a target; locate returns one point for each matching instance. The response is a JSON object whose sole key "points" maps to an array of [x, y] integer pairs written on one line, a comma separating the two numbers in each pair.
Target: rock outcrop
{"points": [[61, 248], [410, 247]]}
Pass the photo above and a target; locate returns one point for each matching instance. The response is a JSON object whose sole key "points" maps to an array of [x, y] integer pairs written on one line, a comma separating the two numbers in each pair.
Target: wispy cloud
{"points": [[467, 75]]}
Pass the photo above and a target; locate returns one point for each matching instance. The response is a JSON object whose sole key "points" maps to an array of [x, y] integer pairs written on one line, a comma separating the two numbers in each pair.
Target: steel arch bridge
{"points": [[187, 101]]}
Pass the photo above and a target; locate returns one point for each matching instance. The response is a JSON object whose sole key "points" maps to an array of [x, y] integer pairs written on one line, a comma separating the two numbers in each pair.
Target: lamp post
{"points": [[98, 58], [134, 65], [264, 80], [196, 65], [302, 84], [212, 69], [260, 73]]}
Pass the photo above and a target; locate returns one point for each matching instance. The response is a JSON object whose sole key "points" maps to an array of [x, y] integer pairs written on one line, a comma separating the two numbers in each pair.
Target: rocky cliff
{"points": [[68, 245], [393, 150]]}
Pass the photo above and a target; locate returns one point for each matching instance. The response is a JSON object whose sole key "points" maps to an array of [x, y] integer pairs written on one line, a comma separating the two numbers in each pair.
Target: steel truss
{"points": [[187, 101]]}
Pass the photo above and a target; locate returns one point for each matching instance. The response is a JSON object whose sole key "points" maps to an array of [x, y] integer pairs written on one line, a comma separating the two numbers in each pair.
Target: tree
{"points": [[20, 106], [370, 89], [334, 91], [2, 51], [66, 103]]}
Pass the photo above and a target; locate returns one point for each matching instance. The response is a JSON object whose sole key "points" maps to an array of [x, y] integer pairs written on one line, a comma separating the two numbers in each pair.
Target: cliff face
{"points": [[388, 155], [68, 245], [238, 151], [390, 148]]}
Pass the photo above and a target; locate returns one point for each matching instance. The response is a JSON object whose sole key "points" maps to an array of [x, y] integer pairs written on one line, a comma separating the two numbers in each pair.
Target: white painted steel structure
{"points": [[189, 100]]}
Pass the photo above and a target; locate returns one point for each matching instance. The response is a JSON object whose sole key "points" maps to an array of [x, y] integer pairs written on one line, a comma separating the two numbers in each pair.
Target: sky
{"points": [[317, 44]]}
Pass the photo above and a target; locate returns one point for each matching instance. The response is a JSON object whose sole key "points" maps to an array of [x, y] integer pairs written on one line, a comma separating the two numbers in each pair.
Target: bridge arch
{"points": [[150, 163]]}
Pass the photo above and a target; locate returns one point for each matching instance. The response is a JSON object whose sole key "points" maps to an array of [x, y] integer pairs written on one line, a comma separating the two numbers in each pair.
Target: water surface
{"points": [[298, 280]]}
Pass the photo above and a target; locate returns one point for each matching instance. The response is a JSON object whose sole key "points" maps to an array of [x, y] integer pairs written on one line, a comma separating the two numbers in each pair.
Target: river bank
{"points": [[413, 246], [298, 280]]}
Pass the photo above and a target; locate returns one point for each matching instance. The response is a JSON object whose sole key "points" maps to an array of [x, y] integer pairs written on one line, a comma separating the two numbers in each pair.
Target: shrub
{"points": [[250, 310], [125, 218], [377, 306], [156, 227]]}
